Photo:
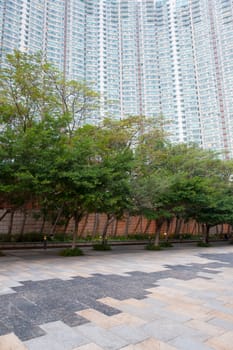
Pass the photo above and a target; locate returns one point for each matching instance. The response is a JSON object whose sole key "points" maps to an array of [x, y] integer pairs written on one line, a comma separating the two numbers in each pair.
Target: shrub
{"points": [[166, 245], [139, 236], [71, 252], [28, 237], [102, 247], [203, 244], [151, 246]]}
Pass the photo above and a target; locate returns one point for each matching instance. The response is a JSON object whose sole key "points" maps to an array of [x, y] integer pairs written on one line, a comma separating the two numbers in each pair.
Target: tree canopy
{"points": [[52, 159]]}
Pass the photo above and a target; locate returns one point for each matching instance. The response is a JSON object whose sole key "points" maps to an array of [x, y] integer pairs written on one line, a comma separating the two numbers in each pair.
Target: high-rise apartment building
{"points": [[149, 57]]}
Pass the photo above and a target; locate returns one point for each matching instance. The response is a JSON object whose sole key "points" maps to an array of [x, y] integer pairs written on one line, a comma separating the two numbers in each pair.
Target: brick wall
{"points": [[93, 224]]}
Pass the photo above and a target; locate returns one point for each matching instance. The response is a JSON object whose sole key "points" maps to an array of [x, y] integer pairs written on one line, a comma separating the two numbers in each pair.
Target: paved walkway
{"points": [[128, 299]]}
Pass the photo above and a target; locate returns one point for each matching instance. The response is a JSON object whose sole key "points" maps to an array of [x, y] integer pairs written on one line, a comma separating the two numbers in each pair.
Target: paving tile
{"points": [[221, 315], [73, 320], [165, 330], [224, 324], [99, 319], [62, 334], [130, 320], [185, 293], [101, 337], [205, 327], [189, 343], [110, 301], [90, 346], [222, 342], [130, 333], [45, 342], [11, 342], [192, 311], [149, 344]]}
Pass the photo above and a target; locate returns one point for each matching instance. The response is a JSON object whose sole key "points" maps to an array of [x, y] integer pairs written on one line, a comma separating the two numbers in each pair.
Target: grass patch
{"points": [[71, 252], [101, 247], [151, 246], [203, 244], [1, 253]]}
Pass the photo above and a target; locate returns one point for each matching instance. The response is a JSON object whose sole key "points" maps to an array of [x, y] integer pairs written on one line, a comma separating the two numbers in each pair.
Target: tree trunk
{"points": [[206, 234], [158, 225], [53, 228], [84, 225], [42, 225], [75, 233], [115, 228], [23, 223], [77, 219], [203, 228], [4, 214], [194, 228], [110, 218], [138, 224], [66, 225], [178, 226], [9, 233], [169, 222], [222, 228], [96, 225], [147, 226]]}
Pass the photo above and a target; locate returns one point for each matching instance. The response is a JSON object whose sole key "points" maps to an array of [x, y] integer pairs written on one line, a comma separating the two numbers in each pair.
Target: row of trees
{"points": [[51, 159]]}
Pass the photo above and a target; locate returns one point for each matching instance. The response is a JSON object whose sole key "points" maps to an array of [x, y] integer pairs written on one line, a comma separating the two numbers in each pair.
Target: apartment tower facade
{"points": [[145, 57]]}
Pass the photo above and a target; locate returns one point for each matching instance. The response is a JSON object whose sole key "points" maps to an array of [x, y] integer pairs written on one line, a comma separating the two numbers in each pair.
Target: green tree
{"points": [[115, 159], [39, 111], [175, 181]]}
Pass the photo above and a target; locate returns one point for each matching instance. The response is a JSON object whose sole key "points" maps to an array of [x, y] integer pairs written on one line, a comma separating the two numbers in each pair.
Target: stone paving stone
{"points": [[165, 330], [224, 324], [207, 328], [129, 333], [203, 295], [101, 337], [150, 344], [154, 303], [98, 318], [73, 320], [146, 314], [11, 342], [174, 316], [189, 343], [44, 343], [221, 315], [110, 302], [6, 290], [59, 336], [176, 299], [204, 274], [191, 311], [90, 346], [167, 289], [229, 305], [3, 329], [130, 320], [17, 323], [222, 342]]}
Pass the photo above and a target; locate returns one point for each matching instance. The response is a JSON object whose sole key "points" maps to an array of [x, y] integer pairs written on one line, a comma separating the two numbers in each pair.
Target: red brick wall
{"points": [[93, 224]]}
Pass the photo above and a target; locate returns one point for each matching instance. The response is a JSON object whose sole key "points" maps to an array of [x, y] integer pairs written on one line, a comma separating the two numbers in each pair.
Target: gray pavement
{"points": [[129, 298]]}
